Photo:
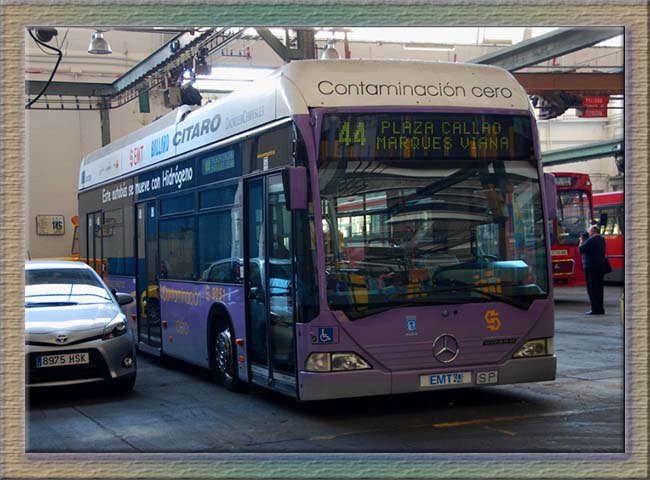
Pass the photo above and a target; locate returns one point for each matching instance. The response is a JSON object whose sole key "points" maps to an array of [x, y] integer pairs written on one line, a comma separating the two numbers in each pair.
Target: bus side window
{"points": [[217, 248]]}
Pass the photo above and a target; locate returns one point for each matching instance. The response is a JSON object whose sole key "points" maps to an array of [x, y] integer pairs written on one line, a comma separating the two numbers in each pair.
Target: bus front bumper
{"points": [[331, 385]]}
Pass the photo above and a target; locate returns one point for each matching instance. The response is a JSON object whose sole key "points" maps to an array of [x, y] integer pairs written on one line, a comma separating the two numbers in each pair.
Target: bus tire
{"points": [[224, 357]]}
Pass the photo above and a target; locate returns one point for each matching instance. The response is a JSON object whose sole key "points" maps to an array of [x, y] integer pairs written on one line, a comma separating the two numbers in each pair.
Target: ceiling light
{"points": [[98, 44], [330, 53]]}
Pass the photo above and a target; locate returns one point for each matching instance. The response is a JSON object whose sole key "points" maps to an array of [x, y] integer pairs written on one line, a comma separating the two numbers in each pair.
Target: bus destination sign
{"points": [[218, 162], [428, 136]]}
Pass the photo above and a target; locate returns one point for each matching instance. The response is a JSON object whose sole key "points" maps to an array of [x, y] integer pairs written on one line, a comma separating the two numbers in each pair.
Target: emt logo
{"points": [[492, 320]]}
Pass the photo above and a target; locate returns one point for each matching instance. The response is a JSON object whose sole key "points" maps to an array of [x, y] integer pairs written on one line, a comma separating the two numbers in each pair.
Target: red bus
{"points": [[609, 208], [574, 215]]}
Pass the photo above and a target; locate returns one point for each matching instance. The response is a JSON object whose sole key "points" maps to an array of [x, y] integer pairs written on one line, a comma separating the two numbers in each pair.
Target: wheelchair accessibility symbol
{"points": [[325, 335]]}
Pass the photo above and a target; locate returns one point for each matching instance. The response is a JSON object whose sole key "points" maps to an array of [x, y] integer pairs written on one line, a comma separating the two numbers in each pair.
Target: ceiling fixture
{"points": [[330, 53], [45, 34], [98, 44]]}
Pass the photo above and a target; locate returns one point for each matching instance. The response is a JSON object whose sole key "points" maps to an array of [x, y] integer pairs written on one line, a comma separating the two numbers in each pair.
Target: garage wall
{"points": [[56, 141]]}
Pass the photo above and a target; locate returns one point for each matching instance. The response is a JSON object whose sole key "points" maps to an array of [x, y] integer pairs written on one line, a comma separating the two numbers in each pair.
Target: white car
{"points": [[75, 330]]}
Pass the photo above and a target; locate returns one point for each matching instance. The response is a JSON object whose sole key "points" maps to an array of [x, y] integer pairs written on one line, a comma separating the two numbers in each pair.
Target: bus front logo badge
{"points": [[492, 320], [445, 348]]}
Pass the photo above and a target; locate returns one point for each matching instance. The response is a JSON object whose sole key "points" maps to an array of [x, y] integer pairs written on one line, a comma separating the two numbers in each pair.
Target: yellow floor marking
{"points": [[500, 430], [480, 421]]}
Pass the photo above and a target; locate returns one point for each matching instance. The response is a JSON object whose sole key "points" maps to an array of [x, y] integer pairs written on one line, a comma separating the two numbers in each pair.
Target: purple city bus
{"points": [[341, 228]]}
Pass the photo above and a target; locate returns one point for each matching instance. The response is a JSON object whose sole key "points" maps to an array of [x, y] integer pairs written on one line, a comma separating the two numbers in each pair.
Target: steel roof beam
{"points": [[80, 89], [174, 52], [158, 58], [553, 44], [69, 89], [305, 41], [286, 54], [585, 83], [609, 148]]}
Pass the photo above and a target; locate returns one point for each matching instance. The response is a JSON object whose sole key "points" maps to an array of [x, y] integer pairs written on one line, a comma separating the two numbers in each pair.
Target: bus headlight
{"points": [[335, 362], [318, 362], [535, 348], [348, 361]]}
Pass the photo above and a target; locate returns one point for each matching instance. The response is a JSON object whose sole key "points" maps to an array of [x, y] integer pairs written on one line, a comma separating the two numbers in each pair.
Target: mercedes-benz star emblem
{"points": [[445, 348], [62, 338]]}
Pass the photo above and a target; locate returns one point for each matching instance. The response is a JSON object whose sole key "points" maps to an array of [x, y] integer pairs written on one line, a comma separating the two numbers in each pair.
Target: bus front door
{"points": [[149, 329], [269, 294], [95, 242]]}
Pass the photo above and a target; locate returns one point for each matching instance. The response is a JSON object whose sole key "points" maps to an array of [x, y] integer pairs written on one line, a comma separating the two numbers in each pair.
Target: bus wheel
{"points": [[225, 359]]}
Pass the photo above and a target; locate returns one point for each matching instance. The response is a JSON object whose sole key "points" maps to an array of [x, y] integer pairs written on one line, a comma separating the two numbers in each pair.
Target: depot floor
{"points": [[178, 408]]}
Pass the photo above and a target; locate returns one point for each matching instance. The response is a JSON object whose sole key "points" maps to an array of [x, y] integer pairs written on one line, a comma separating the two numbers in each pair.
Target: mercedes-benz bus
{"points": [[341, 228]]}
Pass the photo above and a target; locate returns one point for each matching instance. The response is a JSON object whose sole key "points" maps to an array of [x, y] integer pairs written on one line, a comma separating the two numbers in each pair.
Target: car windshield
{"points": [[61, 287], [413, 219]]}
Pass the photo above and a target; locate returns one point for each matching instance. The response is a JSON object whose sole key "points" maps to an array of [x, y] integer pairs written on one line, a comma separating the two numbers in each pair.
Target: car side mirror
{"points": [[294, 181], [123, 298]]}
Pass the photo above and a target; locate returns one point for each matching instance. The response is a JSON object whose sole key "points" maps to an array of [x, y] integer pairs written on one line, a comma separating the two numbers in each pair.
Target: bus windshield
{"points": [[422, 209], [573, 215]]}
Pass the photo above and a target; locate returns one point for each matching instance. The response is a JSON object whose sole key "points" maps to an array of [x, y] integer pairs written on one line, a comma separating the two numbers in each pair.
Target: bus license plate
{"points": [[62, 360], [444, 379]]}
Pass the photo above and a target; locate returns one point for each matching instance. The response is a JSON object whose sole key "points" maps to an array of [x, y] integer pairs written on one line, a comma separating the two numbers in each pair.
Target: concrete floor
{"points": [[178, 408]]}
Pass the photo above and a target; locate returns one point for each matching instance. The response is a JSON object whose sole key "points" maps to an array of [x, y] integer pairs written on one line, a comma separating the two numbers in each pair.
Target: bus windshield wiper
{"points": [[426, 301], [493, 295]]}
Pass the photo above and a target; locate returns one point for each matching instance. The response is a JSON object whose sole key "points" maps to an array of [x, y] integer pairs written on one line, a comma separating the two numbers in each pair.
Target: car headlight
{"points": [[335, 362], [116, 327], [535, 348]]}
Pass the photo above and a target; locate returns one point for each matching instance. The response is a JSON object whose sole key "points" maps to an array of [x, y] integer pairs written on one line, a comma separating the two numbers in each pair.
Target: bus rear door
{"points": [[148, 271]]}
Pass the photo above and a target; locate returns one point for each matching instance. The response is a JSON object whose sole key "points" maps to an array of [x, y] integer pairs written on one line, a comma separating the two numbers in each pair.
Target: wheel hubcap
{"points": [[224, 353]]}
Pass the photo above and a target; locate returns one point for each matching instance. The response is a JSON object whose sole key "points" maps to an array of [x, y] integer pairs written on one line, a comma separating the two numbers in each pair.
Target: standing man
{"points": [[592, 247]]}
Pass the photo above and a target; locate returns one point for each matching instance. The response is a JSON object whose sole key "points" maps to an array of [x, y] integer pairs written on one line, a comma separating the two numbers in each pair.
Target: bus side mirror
{"points": [[294, 181], [550, 196]]}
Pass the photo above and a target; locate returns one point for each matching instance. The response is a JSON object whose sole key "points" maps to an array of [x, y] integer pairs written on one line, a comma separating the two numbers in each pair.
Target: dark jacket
{"points": [[593, 253]]}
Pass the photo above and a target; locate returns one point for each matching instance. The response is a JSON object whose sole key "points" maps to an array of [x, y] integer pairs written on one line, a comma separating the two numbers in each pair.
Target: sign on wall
{"points": [[50, 225], [593, 106]]}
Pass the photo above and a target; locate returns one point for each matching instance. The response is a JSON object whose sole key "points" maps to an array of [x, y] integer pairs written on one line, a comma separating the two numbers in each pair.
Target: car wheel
{"points": [[225, 358]]}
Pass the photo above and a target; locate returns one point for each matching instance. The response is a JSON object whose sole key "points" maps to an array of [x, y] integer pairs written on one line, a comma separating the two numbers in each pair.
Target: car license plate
{"points": [[62, 359], [444, 379]]}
